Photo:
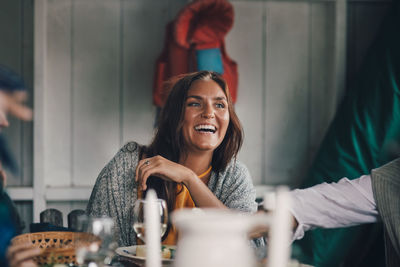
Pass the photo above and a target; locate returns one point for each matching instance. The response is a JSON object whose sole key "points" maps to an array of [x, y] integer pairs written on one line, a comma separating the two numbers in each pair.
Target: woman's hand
{"points": [[171, 171], [21, 255], [162, 168]]}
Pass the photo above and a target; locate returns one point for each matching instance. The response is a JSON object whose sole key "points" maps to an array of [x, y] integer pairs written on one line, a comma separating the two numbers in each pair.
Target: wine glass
{"points": [[95, 243], [138, 217]]}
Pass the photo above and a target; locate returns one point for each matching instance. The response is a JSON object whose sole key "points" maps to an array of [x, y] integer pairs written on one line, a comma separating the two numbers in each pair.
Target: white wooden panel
{"points": [[323, 94], [142, 43], [95, 87], [27, 73], [68, 193], [20, 193], [340, 66], [40, 56], [57, 109], [174, 6], [245, 46], [287, 89]]}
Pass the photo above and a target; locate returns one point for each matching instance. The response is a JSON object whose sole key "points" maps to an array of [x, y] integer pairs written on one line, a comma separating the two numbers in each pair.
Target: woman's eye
{"points": [[220, 105], [193, 104]]}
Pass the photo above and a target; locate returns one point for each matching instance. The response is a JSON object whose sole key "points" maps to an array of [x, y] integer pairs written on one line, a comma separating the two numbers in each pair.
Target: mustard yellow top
{"points": [[183, 200]]}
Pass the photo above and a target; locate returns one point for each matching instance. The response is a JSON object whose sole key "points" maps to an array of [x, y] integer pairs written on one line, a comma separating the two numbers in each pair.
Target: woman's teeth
{"points": [[205, 128]]}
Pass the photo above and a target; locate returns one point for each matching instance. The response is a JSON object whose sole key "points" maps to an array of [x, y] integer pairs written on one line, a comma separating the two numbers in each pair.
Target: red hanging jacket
{"points": [[195, 41]]}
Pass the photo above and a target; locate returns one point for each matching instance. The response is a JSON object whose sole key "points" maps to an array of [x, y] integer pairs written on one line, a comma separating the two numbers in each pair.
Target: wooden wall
{"points": [[286, 64], [99, 72], [94, 64]]}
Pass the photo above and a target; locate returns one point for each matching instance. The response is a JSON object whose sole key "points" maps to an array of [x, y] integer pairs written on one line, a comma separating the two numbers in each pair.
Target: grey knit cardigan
{"points": [[115, 191], [386, 189]]}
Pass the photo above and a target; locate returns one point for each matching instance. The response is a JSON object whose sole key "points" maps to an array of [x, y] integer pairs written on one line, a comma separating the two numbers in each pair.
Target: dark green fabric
{"points": [[364, 135]]}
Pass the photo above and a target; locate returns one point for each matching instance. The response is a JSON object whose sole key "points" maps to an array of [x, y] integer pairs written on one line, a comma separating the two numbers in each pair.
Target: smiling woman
{"points": [[206, 116], [191, 161]]}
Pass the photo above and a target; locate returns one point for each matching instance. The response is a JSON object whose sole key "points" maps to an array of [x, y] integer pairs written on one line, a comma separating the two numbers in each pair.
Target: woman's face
{"points": [[206, 116]]}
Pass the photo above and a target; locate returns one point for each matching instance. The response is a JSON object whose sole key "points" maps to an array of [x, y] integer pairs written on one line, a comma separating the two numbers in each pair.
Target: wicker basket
{"points": [[57, 247]]}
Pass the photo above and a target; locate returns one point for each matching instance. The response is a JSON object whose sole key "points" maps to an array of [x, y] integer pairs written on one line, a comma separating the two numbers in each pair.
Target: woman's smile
{"points": [[206, 128]]}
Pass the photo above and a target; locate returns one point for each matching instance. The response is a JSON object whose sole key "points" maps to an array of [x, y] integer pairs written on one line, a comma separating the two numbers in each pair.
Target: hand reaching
{"points": [[13, 103], [21, 255]]}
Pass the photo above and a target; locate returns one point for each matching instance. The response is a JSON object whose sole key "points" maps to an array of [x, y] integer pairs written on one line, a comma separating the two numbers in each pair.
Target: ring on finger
{"points": [[147, 162]]}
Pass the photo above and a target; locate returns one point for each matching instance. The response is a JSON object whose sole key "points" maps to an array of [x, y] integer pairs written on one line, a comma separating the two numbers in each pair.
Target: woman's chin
{"points": [[207, 147]]}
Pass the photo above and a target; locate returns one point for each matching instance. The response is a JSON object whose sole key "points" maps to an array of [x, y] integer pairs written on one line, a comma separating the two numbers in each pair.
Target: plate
{"points": [[130, 252]]}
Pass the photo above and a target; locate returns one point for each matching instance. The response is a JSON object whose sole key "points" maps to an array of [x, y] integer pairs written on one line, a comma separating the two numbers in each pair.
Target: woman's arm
{"points": [[170, 171], [201, 194], [232, 188]]}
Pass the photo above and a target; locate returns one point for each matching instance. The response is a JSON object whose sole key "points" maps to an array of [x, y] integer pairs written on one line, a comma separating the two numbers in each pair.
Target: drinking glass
{"points": [[96, 243], [138, 217]]}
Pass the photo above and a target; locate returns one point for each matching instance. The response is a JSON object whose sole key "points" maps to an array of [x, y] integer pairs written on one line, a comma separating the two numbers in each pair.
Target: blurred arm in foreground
{"points": [[12, 98]]}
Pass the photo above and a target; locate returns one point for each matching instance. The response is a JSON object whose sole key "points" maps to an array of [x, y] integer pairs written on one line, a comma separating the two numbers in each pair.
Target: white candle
{"points": [[280, 233], [153, 232]]}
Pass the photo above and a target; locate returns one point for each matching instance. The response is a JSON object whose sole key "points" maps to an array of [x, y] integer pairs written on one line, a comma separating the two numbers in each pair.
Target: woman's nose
{"points": [[208, 112], [208, 115]]}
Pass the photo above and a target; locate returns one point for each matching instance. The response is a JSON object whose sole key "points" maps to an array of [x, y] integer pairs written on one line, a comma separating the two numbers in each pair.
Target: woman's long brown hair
{"points": [[169, 142]]}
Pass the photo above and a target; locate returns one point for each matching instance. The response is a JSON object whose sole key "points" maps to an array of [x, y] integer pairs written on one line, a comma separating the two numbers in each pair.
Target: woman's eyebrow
{"points": [[220, 98], [199, 97], [194, 96]]}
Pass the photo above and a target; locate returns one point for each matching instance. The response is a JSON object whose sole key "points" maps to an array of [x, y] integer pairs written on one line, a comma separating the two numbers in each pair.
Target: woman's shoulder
{"points": [[236, 166], [122, 166], [126, 156], [131, 147], [236, 169]]}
